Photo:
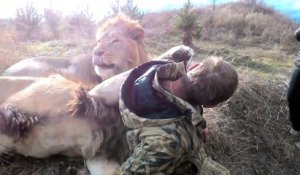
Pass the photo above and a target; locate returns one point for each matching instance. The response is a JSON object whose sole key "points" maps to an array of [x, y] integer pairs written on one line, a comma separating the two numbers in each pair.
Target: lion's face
{"points": [[118, 49]]}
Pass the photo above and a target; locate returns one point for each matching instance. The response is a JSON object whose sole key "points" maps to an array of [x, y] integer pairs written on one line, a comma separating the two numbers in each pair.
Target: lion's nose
{"points": [[99, 52]]}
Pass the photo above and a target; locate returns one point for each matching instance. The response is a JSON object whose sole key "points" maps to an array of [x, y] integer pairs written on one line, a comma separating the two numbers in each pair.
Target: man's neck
{"points": [[175, 87]]}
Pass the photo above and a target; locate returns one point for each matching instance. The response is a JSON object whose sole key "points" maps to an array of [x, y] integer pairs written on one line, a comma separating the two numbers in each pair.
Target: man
{"points": [[161, 106], [293, 95]]}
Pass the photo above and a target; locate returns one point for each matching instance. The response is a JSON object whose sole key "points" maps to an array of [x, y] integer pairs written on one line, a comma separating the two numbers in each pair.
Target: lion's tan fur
{"points": [[11, 85], [94, 129]]}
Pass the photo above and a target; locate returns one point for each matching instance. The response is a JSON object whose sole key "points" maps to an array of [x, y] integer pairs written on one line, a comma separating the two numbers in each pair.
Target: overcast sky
{"points": [[101, 7]]}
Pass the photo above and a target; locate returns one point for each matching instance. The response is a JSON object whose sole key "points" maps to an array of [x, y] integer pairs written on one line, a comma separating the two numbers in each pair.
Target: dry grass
{"points": [[241, 22], [237, 24], [56, 165], [10, 50], [249, 134]]}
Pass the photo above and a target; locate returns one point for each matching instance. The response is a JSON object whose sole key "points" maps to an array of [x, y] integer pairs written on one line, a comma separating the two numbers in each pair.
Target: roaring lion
{"points": [[119, 48], [54, 115]]}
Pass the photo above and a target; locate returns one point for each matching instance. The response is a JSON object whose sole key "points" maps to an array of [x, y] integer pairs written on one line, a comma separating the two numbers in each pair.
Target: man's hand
{"points": [[178, 54]]}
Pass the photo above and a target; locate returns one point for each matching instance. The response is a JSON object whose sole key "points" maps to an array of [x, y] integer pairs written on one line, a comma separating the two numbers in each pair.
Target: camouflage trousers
{"points": [[162, 150]]}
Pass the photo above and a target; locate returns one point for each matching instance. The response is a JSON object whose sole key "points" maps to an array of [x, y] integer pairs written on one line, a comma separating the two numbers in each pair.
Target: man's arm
{"points": [[171, 71]]}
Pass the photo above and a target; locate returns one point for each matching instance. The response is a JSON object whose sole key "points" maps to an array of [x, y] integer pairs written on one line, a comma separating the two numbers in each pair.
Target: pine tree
{"points": [[132, 10], [129, 9], [188, 24]]}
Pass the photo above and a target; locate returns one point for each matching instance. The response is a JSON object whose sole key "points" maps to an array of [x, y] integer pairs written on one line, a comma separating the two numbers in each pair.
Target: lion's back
{"points": [[36, 67]]}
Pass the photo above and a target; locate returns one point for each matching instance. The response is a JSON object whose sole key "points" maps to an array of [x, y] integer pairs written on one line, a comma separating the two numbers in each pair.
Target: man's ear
{"points": [[136, 33]]}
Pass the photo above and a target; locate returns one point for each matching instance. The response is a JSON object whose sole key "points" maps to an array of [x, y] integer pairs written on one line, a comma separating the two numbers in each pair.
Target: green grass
{"points": [[59, 48], [266, 63]]}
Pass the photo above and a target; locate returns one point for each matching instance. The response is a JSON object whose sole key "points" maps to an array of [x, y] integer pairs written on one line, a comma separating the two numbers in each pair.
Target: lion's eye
{"points": [[115, 41]]}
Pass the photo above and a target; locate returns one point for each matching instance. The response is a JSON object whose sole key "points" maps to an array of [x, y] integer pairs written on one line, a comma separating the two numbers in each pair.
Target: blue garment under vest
{"points": [[147, 103]]}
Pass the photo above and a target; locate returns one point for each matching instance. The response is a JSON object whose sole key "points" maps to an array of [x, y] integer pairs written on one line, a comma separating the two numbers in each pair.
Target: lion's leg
{"points": [[12, 85], [101, 166]]}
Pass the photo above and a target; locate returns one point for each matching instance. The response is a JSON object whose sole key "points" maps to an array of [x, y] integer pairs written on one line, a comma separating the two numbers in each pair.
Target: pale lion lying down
{"points": [[57, 116]]}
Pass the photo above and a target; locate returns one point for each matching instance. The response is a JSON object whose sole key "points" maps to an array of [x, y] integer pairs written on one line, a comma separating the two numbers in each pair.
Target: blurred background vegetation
{"points": [[243, 23]]}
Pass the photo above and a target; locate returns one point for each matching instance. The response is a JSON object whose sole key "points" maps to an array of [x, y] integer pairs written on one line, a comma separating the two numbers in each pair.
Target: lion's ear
{"points": [[136, 33]]}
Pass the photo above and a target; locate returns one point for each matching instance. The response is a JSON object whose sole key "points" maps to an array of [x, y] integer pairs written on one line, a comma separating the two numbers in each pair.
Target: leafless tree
{"points": [[53, 20], [27, 21], [83, 22]]}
